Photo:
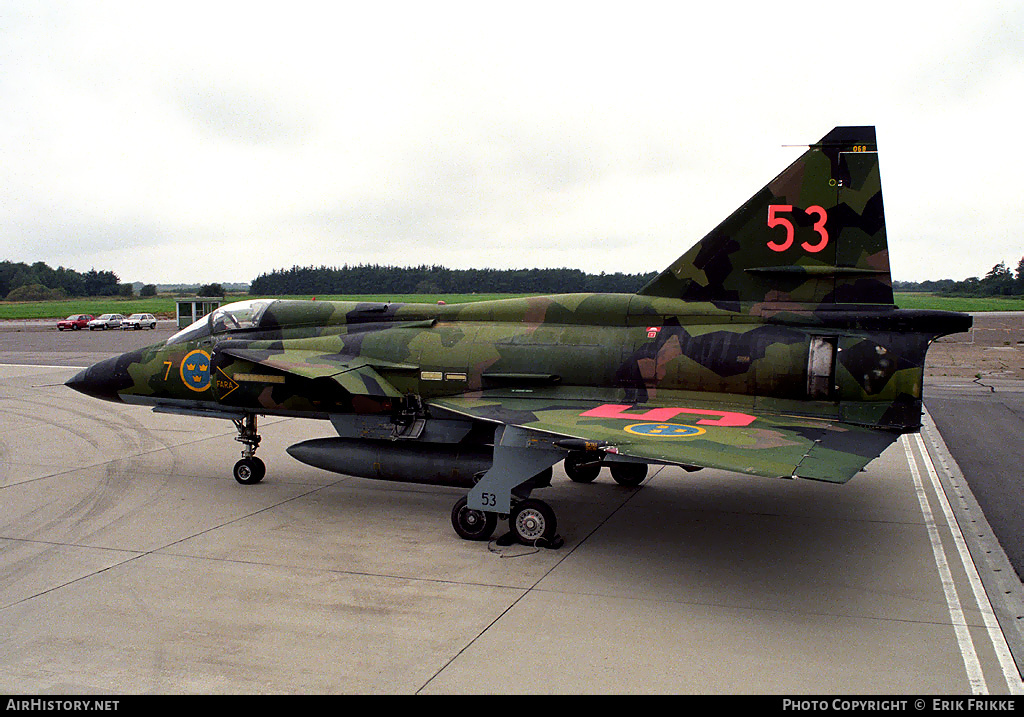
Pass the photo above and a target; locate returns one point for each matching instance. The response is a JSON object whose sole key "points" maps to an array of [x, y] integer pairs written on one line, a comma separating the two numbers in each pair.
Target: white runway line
{"points": [[956, 614], [995, 632], [967, 648]]}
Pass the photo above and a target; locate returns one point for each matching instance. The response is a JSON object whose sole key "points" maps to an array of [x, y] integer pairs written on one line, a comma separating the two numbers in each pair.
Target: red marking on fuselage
{"points": [[660, 415]]}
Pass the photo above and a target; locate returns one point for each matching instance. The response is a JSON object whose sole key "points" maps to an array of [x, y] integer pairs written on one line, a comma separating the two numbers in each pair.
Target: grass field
{"points": [[164, 305], [918, 300]]}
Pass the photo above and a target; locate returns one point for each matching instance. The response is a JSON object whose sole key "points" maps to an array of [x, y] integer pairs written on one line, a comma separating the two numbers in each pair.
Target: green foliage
{"points": [[35, 292], [148, 290], [68, 281], [366, 278], [211, 290], [928, 287], [999, 281]]}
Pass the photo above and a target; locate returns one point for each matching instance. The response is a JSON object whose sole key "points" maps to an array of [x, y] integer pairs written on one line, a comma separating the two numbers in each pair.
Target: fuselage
{"points": [[302, 358]]}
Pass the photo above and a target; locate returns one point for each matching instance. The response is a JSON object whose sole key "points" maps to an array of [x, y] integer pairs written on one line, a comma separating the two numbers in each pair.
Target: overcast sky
{"points": [[199, 142]]}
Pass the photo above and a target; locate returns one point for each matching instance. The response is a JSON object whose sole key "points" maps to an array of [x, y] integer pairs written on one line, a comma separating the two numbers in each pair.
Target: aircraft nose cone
{"points": [[101, 380], [78, 381]]}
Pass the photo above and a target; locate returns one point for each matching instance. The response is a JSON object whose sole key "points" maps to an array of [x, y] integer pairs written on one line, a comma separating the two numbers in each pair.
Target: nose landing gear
{"points": [[250, 469]]}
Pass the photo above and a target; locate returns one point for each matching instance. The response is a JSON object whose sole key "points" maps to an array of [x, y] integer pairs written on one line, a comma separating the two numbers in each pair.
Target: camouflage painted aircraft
{"points": [[772, 347]]}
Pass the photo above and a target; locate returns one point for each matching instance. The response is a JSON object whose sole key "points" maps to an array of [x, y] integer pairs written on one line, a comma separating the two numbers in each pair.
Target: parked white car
{"points": [[106, 321], [139, 321]]}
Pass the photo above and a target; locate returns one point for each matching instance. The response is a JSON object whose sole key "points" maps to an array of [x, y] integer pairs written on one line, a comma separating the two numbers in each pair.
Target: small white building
{"points": [[193, 308]]}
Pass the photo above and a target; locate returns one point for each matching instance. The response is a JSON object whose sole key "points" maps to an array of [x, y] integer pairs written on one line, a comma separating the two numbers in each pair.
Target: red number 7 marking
{"points": [[777, 221]]}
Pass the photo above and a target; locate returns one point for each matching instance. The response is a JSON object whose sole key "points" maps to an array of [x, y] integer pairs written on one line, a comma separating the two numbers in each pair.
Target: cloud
{"points": [[551, 134], [242, 115]]}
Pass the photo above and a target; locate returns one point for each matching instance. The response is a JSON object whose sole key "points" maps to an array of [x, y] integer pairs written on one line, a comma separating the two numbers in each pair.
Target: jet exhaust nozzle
{"points": [[401, 461]]}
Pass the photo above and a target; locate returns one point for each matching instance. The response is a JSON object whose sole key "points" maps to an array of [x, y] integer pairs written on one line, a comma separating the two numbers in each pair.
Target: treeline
{"points": [[37, 282], [377, 279], [999, 281]]}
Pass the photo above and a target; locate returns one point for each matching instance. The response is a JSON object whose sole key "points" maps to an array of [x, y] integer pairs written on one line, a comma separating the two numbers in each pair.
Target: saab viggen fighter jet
{"points": [[772, 347]]}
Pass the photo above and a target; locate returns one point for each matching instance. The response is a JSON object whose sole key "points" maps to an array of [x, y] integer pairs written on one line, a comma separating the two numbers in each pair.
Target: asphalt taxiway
{"points": [[132, 562]]}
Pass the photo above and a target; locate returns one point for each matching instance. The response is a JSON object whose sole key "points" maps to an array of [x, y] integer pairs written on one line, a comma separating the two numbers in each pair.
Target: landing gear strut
{"points": [[250, 469], [522, 463]]}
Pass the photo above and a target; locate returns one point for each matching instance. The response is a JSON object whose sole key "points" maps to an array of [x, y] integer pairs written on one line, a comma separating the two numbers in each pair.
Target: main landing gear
{"points": [[250, 469], [522, 462], [584, 467], [473, 524], [531, 522]]}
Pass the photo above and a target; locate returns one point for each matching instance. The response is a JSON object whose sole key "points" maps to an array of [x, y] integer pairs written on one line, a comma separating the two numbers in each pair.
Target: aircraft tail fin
{"points": [[813, 235]]}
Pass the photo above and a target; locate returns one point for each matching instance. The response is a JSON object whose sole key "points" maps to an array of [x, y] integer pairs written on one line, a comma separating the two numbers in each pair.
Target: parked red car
{"points": [[75, 321]]}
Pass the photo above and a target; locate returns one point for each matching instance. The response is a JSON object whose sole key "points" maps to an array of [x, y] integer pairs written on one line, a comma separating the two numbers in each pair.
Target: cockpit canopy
{"points": [[238, 316]]}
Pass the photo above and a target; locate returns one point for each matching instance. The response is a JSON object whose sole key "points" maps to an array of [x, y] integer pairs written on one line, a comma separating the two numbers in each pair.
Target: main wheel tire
{"points": [[581, 467], [532, 521], [472, 524], [250, 471], [629, 474]]}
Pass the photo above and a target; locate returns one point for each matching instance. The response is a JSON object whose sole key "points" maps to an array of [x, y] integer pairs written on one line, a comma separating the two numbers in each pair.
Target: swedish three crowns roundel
{"points": [[195, 370]]}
